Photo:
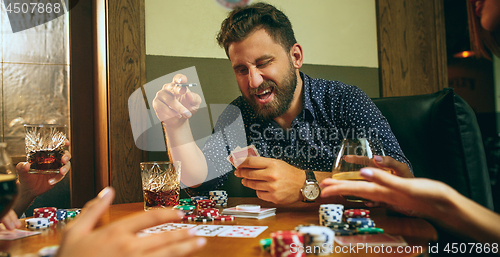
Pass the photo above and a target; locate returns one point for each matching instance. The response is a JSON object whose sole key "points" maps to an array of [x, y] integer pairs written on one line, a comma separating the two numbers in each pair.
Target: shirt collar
{"points": [[307, 108]]}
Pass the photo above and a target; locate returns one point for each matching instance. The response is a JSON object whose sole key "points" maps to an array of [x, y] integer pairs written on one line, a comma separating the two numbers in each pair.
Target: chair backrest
{"points": [[440, 136]]}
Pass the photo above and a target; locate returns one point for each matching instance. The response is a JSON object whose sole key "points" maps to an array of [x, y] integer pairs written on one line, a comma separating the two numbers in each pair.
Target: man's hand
{"points": [[33, 185], [119, 238], [174, 104], [274, 180]]}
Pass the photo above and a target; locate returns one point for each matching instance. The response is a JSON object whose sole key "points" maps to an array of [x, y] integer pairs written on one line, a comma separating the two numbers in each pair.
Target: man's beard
{"points": [[283, 96]]}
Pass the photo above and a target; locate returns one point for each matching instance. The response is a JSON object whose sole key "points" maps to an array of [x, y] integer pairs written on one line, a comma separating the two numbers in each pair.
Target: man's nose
{"points": [[255, 78]]}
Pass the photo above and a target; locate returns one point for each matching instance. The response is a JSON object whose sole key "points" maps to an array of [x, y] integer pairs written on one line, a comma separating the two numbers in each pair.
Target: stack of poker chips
{"points": [[360, 222], [70, 215], [357, 213], [195, 199], [185, 201], [318, 237], [282, 241], [187, 209], [330, 213], [61, 214], [203, 204], [37, 223], [219, 197], [208, 212], [341, 228], [46, 212]]}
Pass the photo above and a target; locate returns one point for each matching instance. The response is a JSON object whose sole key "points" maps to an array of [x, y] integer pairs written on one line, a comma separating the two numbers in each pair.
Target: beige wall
{"points": [[332, 32]]}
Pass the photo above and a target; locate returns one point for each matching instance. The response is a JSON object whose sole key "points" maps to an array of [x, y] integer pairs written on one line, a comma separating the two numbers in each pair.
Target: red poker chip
{"points": [[361, 213], [224, 218], [189, 217]]}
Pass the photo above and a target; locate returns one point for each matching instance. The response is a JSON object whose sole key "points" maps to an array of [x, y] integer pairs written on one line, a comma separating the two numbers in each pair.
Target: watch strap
{"points": [[310, 175]]}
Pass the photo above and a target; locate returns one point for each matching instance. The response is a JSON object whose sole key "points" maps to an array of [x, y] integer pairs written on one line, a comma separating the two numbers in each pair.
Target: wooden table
{"points": [[417, 232]]}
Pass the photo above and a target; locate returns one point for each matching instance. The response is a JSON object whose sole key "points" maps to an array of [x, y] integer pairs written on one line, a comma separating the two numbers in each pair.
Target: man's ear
{"points": [[297, 55]]}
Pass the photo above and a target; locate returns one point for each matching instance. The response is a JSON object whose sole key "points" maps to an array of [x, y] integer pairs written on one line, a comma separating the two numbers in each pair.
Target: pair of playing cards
{"points": [[238, 153]]}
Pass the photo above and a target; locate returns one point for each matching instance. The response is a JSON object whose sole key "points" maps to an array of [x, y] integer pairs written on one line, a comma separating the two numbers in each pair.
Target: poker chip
{"points": [[318, 237], [206, 203], [203, 219], [370, 230], [76, 210], [185, 207], [209, 212], [61, 214], [185, 201], [190, 217], [330, 213], [70, 215], [360, 222], [37, 223], [224, 218], [265, 244], [281, 242], [357, 213], [217, 193], [46, 212], [197, 198]]}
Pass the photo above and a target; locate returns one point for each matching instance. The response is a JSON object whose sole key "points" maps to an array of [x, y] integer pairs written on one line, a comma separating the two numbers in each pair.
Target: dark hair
{"points": [[245, 20], [480, 37]]}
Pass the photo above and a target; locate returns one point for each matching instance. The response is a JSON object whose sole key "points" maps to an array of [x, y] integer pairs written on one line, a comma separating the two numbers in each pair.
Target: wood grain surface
{"points": [[417, 232], [412, 47]]}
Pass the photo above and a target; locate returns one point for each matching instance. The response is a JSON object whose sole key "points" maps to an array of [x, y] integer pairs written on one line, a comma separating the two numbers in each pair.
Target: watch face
{"points": [[311, 192]]}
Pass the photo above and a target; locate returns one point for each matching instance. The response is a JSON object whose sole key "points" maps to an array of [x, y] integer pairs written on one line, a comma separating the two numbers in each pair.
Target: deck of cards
{"points": [[237, 153]]}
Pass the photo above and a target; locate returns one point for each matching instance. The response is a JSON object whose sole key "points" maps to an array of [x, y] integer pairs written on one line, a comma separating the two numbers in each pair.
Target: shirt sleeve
{"points": [[228, 133], [362, 115]]}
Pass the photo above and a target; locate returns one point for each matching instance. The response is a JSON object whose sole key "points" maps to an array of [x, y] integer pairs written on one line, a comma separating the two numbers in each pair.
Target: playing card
{"points": [[16, 234], [210, 230], [372, 240], [163, 228], [242, 153], [243, 231]]}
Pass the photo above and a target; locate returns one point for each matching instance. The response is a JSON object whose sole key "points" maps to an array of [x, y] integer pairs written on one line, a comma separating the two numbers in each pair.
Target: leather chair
{"points": [[440, 136]]}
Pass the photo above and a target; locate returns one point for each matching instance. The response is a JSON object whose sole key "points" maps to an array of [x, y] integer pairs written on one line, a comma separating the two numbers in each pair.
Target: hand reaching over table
{"points": [[119, 238], [428, 197]]}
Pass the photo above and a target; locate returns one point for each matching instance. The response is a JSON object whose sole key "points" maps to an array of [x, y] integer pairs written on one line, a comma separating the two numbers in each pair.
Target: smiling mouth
{"points": [[264, 94]]}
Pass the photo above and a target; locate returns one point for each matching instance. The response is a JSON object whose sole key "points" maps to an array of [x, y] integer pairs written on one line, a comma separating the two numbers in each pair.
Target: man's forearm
{"points": [[183, 148]]}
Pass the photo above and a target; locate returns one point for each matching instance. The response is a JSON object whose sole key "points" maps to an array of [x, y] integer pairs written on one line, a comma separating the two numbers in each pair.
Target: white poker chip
{"points": [[248, 207]]}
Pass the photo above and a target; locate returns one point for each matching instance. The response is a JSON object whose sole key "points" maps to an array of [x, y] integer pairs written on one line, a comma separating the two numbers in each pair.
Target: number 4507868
{"points": [[33, 8]]}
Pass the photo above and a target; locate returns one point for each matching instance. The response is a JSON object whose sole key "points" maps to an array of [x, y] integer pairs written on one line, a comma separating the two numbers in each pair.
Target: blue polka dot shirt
{"points": [[331, 112]]}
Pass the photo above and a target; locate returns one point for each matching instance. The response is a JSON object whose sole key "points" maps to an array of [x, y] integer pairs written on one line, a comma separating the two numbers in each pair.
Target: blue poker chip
{"points": [[61, 214]]}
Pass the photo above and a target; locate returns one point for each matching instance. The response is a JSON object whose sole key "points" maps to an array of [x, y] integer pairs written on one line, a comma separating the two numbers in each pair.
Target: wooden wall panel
{"points": [[82, 173], [126, 73], [412, 47]]}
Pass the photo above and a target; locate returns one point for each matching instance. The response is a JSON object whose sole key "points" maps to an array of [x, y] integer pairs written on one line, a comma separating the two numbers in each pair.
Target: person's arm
{"points": [[428, 198], [174, 105], [31, 186], [80, 238]]}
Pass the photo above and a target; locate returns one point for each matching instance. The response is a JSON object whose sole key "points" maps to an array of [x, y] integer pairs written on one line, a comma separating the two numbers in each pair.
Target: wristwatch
{"points": [[310, 190]]}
